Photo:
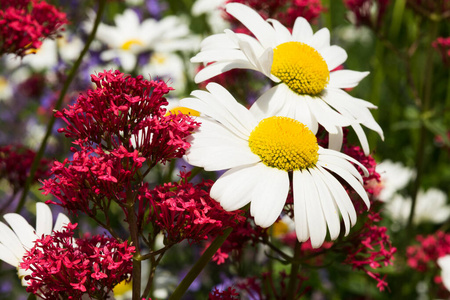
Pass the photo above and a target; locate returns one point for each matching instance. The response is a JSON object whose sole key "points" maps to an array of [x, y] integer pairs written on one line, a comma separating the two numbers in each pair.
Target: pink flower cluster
{"points": [[371, 249], [424, 255], [25, 23], [228, 294], [364, 13], [15, 164], [185, 210], [120, 127], [442, 45], [62, 265]]}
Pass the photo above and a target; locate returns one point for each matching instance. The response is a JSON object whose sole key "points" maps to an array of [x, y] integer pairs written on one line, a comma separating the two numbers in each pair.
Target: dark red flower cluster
{"points": [[62, 265], [93, 178], [15, 164], [25, 23], [424, 255], [285, 11], [118, 126], [228, 294], [247, 233], [368, 12], [370, 249], [129, 112], [185, 210], [442, 45]]}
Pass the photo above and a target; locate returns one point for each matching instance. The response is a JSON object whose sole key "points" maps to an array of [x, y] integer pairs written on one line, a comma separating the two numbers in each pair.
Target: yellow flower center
{"points": [[122, 287], [128, 44], [300, 67], [183, 110], [284, 143]]}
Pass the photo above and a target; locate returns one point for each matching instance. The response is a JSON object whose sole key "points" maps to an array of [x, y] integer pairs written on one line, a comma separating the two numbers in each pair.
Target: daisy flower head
{"points": [[130, 37], [265, 156], [20, 236], [301, 63]]}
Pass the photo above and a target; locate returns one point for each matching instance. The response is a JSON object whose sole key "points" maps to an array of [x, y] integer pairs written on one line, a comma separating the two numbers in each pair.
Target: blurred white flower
{"points": [[6, 89], [129, 37], [213, 9], [20, 236], [394, 177], [168, 67], [444, 264], [431, 207]]}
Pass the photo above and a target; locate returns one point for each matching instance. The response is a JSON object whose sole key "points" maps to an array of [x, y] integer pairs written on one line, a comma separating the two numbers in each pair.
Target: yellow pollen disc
{"points": [[123, 287], [284, 143], [184, 111], [128, 44], [300, 67]]}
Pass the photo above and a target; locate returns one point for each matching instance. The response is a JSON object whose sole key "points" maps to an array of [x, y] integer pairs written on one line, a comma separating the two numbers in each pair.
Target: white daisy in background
{"points": [[444, 264], [302, 64], [394, 177], [264, 154], [213, 9], [20, 236], [67, 46], [431, 207], [168, 67], [130, 37]]}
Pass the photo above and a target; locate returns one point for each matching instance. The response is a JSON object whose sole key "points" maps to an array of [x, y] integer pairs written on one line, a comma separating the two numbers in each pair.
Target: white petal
{"points": [[341, 197], [217, 68], [329, 207], [24, 231], [316, 220], [325, 115], [301, 31], [44, 219], [347, 176], [234, 188], [8, 256], [345, 78], [229, 103], [300, 214], [362, 138], [10, 240], [334, 56], [344, 156], [320, 40], [218, 41], [270, 103], [207, 56], [269, 196], [61, 221], [281, 32], [305, 116], [335, 140], [254, 22]]}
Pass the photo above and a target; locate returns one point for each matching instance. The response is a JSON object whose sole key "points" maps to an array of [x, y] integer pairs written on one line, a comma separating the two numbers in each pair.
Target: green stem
{"points": [[200, 265], [72, 73], [292, 286], [424, 108]]}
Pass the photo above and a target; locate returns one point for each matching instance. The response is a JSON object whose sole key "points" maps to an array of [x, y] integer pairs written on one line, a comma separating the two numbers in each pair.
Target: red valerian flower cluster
{"points": [[62, 265], [368, 12], [424, 255], [25, 23], [228, 294], [15, 164], [442, 45], [371, 249], [284, 10], [186, 211], [120, 127]]}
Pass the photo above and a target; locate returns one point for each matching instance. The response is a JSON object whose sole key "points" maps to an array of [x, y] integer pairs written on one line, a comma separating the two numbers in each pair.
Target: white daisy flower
{"points": [[302, 64], [264, 155], [444, 264], [130, 37], [213, 9], [431, 207], [394, 176], [20, 236]]}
